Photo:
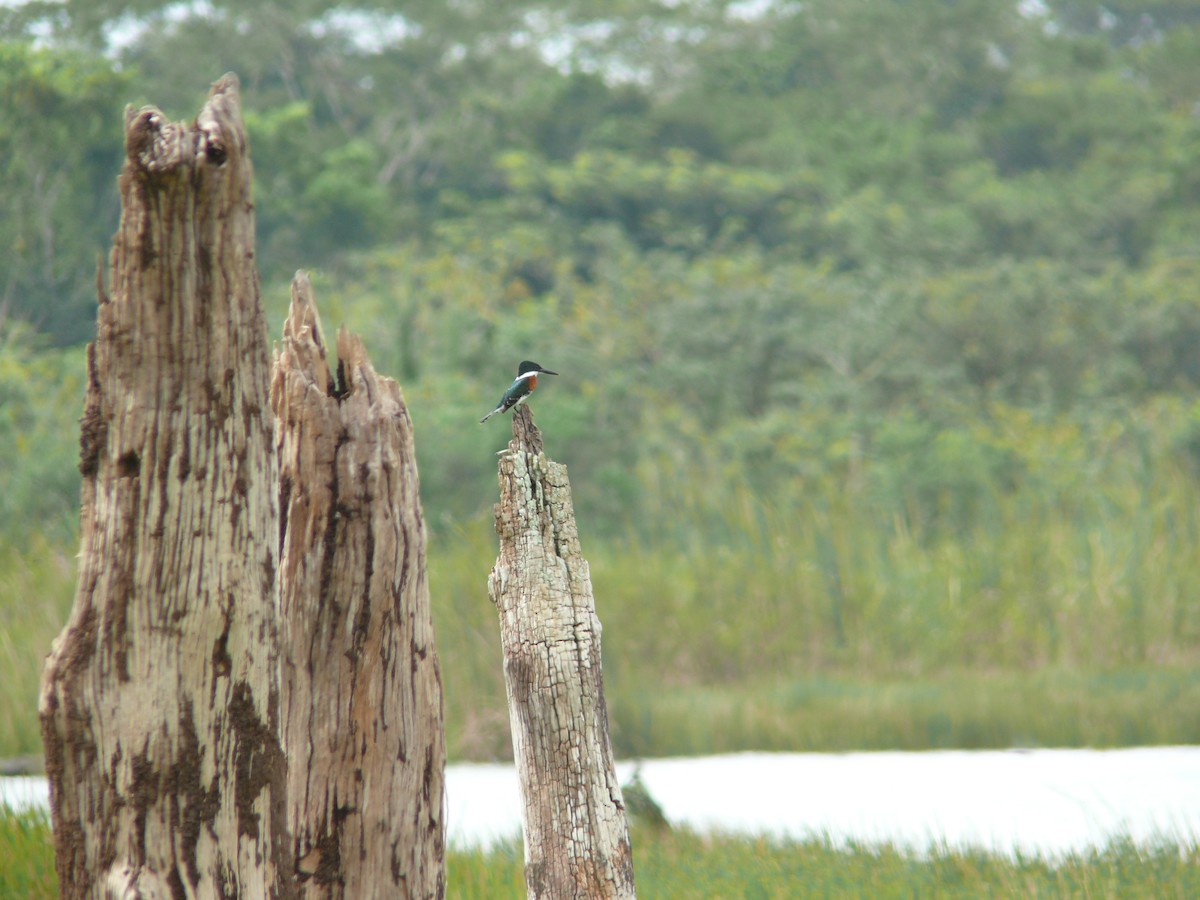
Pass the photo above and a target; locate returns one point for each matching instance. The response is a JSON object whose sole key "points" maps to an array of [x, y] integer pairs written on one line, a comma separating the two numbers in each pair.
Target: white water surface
{"points": [[1036, 802]]}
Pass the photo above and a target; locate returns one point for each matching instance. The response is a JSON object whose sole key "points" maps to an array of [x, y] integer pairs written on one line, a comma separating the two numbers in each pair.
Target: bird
{"points": [[519, 391]]}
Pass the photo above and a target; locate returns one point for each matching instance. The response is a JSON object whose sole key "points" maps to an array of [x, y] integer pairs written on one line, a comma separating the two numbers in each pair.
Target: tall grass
{"points": [[681, 864], [685, 865], [830, 578], [851, 608], [1058, 609], [965, 710], [26, 855], [36, 585]]}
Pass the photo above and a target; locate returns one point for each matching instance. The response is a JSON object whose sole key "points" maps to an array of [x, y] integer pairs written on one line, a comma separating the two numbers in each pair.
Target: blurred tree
{"points": [[60, 139], [757, 232], [1168, 66], [396, 99], [1027, 333], [41, 396], [1123, 21]]}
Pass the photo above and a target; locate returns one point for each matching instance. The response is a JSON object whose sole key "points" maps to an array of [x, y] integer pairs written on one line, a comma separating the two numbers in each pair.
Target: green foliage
{"points": [[60, 140], [924, 140], [877, 322], [41, 398], [678, 202]]}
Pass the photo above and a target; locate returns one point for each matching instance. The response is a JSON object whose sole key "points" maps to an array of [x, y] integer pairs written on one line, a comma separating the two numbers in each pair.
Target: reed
{"points": [[26, 855], [1059, 610], [684, 864], [846, 609], [36, 585]]}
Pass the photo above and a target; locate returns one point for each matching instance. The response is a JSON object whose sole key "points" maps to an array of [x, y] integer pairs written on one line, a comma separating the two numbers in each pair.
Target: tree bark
{"points": [[576, 836], [159, 701], [362, 694]]}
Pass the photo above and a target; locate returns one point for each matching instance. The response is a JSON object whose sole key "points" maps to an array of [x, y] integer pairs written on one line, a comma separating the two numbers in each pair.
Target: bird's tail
{"points": [[489, 415]]}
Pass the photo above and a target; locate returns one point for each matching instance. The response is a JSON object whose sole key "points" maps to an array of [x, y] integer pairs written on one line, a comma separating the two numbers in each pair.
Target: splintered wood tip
{"points": [[527, 435]]}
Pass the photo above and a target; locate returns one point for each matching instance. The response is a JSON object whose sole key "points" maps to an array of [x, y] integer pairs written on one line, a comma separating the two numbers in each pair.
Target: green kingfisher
{"points": [[519, 391]]}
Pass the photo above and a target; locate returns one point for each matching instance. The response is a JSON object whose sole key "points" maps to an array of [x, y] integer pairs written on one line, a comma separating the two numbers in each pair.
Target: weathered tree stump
{"points": [[361, 692], [576, 836], [160, 698]]}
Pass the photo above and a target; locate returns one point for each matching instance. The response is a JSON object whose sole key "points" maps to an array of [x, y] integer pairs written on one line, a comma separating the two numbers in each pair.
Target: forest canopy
{"points": [[769, 243]]}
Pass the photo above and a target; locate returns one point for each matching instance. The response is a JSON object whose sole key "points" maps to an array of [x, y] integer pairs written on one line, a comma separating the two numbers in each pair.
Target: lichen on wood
{"points": [[576, 835], [362, 697], [159, 702]]}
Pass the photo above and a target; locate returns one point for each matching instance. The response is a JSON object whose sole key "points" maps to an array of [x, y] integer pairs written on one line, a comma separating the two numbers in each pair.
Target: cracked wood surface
{"points": [[159, 702], [576, 836], [362, 695]]}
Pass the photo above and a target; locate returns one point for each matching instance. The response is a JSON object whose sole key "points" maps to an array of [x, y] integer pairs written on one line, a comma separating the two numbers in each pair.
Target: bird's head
{"points": [[528, 366]]}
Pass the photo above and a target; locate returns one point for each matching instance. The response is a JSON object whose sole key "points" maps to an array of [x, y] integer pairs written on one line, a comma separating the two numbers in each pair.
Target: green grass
{"points": [[26, 855], [682, 864], [36, 587], [687, 865]]}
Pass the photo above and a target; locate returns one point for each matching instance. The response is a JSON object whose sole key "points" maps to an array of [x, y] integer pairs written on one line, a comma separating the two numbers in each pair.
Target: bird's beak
{"points": [[546, 372]]}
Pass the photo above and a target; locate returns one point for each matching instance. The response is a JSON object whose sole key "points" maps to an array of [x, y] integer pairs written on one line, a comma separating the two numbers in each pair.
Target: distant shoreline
{"points": [[29, 764]]}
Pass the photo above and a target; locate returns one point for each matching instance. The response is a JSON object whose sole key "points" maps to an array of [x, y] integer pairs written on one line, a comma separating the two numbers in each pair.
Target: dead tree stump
{"points": [[361, 693], [159, 701], [576, 836]]}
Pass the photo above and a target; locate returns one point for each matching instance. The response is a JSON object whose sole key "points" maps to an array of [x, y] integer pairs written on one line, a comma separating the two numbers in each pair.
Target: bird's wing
{"points": [[513, 395]]}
